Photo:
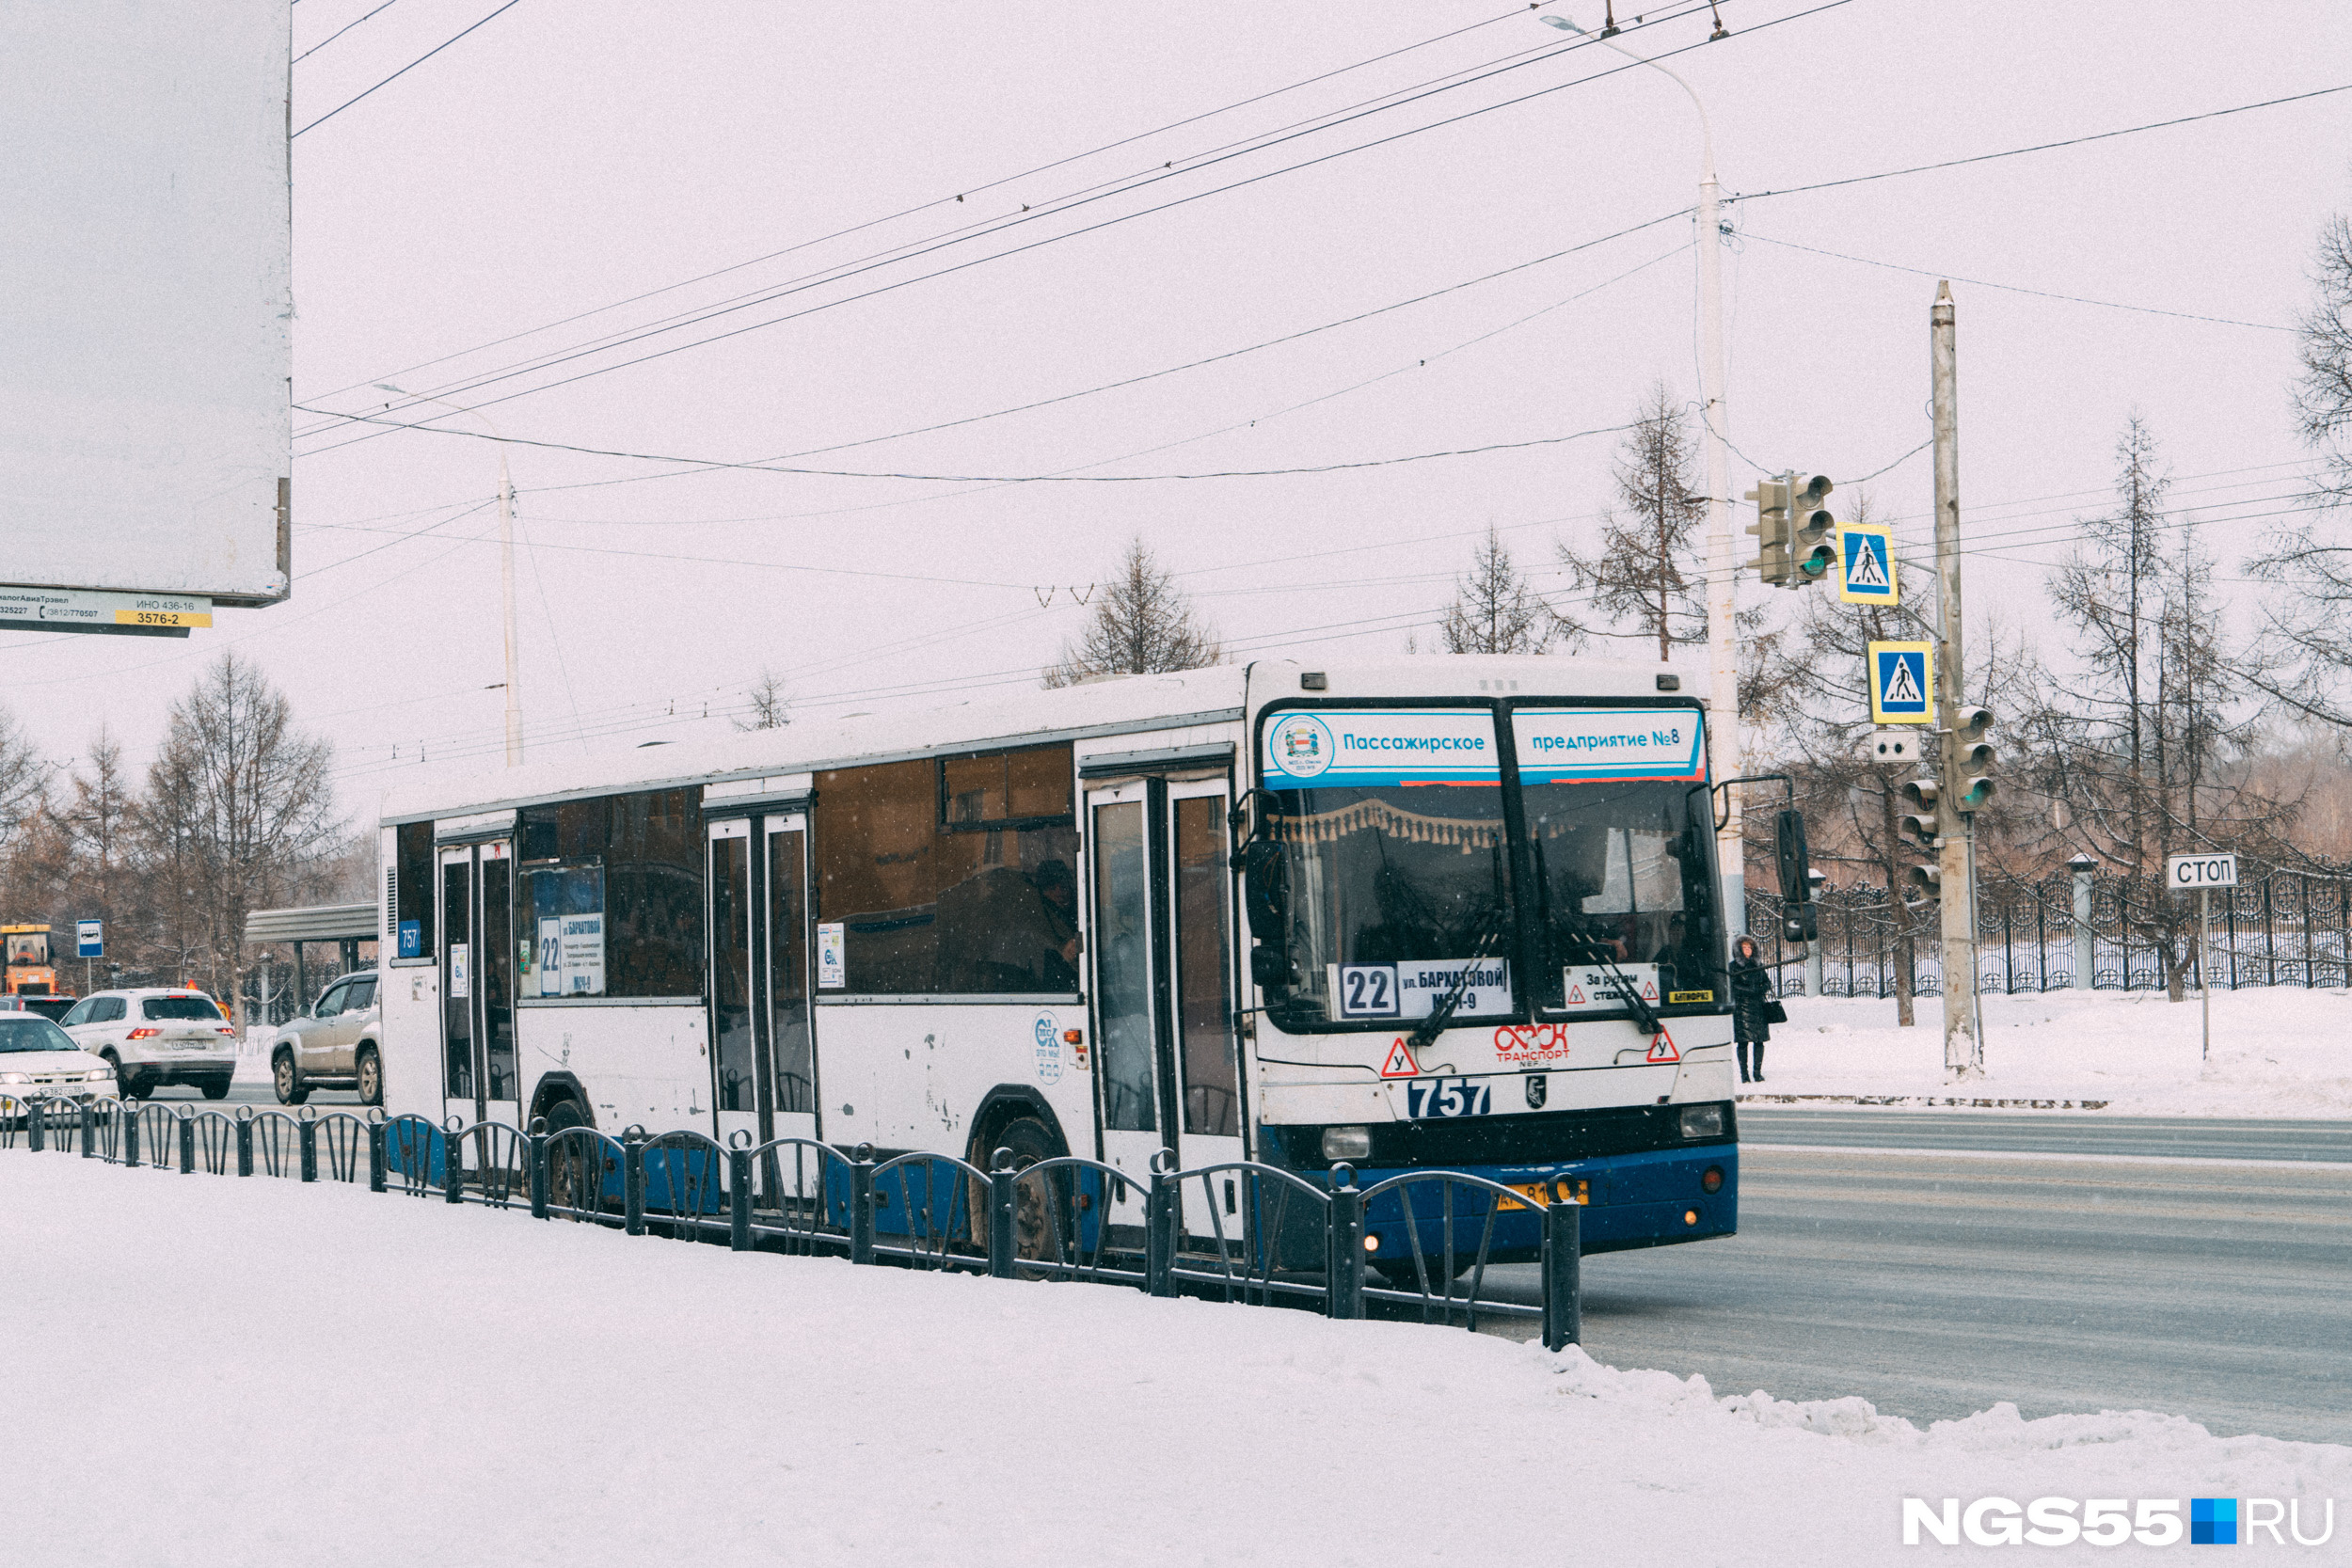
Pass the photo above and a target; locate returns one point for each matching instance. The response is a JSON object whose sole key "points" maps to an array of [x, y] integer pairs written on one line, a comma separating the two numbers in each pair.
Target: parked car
{"points": [[337, 1044], [50, 1007], [152, 1038], [38, 1058]]}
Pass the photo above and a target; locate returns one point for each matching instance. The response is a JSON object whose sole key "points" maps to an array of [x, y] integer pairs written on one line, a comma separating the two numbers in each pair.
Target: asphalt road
{"points": [[2052, 1133], [254, 1094], [1935, 1283]]}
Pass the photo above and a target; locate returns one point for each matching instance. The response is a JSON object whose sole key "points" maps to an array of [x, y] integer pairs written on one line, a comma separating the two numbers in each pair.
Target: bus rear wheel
{"points": [[574, 1173], [1040, 1206]]}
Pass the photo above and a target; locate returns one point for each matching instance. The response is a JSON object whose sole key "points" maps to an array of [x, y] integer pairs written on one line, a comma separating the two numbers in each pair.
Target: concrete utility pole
{"points": [[1722, 605], [1963, 1047]]}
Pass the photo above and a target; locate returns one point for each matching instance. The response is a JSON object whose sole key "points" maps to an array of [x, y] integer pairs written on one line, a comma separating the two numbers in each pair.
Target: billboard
{"points": [[146, 298]]}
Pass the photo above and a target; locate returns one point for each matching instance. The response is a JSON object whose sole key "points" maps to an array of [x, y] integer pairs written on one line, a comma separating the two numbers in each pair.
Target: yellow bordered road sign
{"points": [[1865, 553], [1902, 683]]}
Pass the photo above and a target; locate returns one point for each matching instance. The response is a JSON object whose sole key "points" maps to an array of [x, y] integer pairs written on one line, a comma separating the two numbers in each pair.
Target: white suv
{"points": [[152, 1037]]}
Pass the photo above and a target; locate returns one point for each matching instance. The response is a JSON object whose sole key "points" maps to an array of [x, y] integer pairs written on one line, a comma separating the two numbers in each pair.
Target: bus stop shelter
{"points": [[346, 925]]}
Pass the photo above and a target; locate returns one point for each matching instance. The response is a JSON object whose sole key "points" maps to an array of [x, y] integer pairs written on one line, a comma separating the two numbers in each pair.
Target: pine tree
{"points": [[1646, 572], [1144, 624], [1494, 611]]}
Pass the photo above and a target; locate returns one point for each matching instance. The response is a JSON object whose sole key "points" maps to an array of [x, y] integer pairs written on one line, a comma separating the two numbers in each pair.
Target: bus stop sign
{"points": [[89, 939], [2187, 873]]}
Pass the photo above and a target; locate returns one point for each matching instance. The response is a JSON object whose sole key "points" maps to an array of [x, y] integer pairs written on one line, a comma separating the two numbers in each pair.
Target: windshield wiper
{"points": [[1440, 1015], [1443, 1013], [1643, 1018]]}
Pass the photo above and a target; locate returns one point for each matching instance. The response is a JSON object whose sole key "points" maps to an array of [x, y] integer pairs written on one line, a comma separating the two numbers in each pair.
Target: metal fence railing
{"points": [[1264, 1235], [2276, 927]]}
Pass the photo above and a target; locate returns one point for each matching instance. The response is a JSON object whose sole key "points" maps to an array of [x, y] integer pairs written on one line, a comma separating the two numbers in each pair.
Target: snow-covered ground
{"points": [[2278, 1052], [208, 1371]]}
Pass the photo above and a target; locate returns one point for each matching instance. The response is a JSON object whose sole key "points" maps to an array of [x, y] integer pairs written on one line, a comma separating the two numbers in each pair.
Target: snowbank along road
{"points": [[548, 1393]]}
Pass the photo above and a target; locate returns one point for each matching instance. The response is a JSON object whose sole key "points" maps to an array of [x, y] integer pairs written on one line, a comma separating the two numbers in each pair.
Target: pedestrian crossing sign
{"points": [[1869, 554], [1902, 683]]}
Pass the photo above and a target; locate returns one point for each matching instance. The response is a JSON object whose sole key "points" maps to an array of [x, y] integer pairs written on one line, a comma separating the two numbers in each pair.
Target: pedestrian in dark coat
{"points": [[1751, 992]]}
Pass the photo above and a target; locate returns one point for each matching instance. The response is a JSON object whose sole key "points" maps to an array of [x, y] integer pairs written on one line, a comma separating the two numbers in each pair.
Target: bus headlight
{"points": [[1702, 1121], [1348, 1143]]}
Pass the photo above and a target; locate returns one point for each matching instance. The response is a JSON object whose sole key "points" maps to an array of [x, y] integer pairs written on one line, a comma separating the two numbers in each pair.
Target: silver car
{"points": [[337, 1044]]}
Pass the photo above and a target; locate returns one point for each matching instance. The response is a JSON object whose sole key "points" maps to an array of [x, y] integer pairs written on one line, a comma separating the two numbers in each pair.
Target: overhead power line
{"points": [[406, 68], [944, 200], [705, 462], [2044, 146], [477, 383], [2012, 288], [338, 32]]}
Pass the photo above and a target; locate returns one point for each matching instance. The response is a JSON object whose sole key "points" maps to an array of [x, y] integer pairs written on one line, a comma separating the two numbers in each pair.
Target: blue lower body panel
{"points": [[1654, 1198]]}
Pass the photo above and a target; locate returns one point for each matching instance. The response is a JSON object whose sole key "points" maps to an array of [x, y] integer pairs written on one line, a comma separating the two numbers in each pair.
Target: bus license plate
{"points": [[1542, 1192], [1447, 1097]]}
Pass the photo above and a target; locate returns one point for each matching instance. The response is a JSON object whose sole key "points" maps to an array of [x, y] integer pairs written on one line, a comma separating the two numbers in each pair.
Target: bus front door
{"points": [[478, 1077], [1167, 1064], [762, 1043]]}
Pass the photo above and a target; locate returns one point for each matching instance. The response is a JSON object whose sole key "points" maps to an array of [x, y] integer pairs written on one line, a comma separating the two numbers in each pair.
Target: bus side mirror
{"points": [[1266, 891], [1270, 967], [1796, 862]]}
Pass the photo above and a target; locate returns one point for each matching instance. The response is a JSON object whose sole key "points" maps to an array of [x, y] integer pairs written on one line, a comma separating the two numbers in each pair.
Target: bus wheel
{"points": [[1040, 1208], [574, 1181]]}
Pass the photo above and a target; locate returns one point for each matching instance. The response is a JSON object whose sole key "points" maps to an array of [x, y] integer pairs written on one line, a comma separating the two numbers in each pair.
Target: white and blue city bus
{"points": [[1451, 912]]}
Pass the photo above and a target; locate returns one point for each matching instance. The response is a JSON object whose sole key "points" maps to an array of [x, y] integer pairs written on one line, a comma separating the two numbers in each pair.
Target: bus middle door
{"points": [[1167, 1064], [478, 956]]}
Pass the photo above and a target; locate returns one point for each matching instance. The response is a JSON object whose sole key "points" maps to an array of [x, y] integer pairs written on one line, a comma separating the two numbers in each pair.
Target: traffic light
{"points": [[1920, 824], [1770, 527], [1795, 861], [1921, 885], [1968, 759], [1810, 527]]}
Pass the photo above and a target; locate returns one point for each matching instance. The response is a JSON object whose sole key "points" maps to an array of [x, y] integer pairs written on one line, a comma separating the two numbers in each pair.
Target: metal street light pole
{"points": [[507, 571], [1722, 602]]}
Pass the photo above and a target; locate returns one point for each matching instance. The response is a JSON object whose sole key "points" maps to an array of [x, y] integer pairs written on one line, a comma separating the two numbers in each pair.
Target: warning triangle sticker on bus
{"points": [[1649, 990], [1400, 1063], [1576, 996], [1663, 1048]]}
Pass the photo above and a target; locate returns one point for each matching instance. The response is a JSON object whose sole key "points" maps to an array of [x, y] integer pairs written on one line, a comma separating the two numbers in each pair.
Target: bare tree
{"points": [[2134, 746], [2307, 665], [2323, 391], [1494, 611], [1645, 580], [24, 779], [1143, 625], [769, 706], [239, 814]]}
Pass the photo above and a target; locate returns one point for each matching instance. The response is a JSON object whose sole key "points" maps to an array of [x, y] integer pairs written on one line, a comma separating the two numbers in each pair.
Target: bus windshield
{"points": [[1401, 871], [1617, 828], [1399, 866]]}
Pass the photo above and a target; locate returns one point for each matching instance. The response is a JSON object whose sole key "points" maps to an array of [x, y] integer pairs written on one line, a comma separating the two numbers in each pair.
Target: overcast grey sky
{"points": [[568, 156]]}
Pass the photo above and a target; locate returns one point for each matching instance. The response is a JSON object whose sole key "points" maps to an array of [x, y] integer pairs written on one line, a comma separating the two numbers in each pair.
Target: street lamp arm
{"points": [[1707, 129]]}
